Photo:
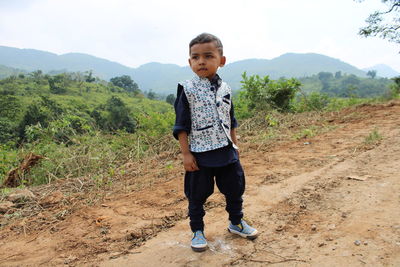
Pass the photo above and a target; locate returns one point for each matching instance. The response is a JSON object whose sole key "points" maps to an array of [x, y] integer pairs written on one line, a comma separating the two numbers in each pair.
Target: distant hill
{"points": [[287, 65], [8, 71], [162, 78], [383, 71], [31, 59]]}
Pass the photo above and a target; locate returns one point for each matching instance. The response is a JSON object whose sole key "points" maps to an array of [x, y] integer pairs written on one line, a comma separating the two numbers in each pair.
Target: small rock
{"points": [[5, 206], [104, 230], [365, 243], [331, 226], [357, 242], [329, 239], [321, 244], [70, 259], [279, 228], [21, 195], [295, 236], [52, 199], [114, 255], [303, 206], [313, 227], [306, 143]]}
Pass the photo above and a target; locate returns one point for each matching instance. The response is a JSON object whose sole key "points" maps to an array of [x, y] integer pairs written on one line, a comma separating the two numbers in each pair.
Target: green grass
{"points": [[373, 138]]}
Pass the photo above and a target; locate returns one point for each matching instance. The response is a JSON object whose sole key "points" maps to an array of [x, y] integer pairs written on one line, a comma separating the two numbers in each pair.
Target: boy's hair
{"points": [[207, 38]]}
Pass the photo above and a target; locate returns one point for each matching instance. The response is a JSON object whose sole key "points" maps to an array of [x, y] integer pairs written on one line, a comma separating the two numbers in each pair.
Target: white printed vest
{"points": [[210, 114]]}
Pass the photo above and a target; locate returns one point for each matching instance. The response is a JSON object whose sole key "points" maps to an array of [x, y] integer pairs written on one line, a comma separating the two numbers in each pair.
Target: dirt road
{"points": [[329, 200]]}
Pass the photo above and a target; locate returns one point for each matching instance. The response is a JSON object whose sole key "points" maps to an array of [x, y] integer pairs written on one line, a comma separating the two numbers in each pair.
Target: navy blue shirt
{"points": [[213, 158]]}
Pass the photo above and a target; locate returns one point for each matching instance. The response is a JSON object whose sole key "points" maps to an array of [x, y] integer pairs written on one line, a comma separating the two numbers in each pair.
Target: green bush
{"points": [[395, 88], [263, 94], [8, 160], [312, 101], [59, 83]]}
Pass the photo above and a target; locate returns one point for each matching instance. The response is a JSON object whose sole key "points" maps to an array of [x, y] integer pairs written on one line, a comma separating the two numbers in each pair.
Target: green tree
{"points": [[325, 78], [395, 88], [126, 82], [35, 114], [9, 111], [384, 24], [37, 76], [59, 83], [151, 95], [10, 107], [119, 116], [40, 112], [89, 77], [170, 99], [371, 73]]}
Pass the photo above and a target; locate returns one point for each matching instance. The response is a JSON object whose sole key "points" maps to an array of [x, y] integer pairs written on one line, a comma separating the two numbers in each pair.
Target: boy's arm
{"points": [[234, 125], [233, 136], [189, 161]]}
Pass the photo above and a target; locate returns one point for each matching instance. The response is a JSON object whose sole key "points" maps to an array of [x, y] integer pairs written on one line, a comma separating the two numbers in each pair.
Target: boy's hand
{"points": [[189, 162], [238, 152]]}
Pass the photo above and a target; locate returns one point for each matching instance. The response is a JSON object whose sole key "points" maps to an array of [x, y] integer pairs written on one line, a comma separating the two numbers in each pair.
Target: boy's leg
{"points": [[199, 185], [231, 182]]}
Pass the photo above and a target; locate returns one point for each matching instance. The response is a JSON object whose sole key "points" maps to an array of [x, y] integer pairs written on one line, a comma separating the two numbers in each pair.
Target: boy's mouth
{"points": [[201, 69]]}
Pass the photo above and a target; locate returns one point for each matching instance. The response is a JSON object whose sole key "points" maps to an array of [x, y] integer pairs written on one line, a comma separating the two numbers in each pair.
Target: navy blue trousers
{"points": [[199, 185]]}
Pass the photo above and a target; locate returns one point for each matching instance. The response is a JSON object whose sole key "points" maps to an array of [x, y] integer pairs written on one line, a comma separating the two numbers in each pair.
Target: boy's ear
{"points": [[223, 61], [190, 63]]}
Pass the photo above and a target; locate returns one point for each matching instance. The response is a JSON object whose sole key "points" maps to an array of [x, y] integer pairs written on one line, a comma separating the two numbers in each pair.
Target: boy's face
{"points": [[205, 59]]}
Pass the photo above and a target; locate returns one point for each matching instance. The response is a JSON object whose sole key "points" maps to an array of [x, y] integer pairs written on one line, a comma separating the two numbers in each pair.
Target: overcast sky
{"points": [[134, 32]]}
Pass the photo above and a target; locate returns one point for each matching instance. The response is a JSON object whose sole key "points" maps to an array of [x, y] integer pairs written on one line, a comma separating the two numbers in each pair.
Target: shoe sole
{"points": [[199, 249], [251, 237]]}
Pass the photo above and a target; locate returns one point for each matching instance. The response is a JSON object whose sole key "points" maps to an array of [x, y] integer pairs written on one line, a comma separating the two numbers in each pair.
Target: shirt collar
{"points": [[216, 81]]}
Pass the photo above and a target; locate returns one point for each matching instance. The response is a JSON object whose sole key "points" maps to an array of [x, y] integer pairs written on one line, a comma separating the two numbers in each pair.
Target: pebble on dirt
{"points": [[357, 242], [313, 227], [52, 198]]}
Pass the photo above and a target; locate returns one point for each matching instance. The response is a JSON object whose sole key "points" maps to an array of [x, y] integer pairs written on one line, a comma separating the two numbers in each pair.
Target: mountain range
{"points": [[162, 78], [383, 70]]}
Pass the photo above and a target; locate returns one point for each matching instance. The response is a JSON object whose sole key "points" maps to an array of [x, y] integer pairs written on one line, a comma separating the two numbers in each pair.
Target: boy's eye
{"points": [[195, 57], [209, 56]]}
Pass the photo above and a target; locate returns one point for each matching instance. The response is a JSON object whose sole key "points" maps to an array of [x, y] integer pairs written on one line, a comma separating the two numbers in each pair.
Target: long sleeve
{"points": [[234, 123], [183, 121]]}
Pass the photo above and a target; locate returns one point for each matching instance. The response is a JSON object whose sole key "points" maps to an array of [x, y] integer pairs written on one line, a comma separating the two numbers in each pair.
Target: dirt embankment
{"points": [[329, 200]]}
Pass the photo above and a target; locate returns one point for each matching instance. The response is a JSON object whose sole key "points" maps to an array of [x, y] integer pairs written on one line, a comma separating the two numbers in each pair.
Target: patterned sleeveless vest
{"points": [[210, 114]]}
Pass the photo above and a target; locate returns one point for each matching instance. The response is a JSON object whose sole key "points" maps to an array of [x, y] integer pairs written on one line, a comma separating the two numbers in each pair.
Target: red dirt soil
{"points": [[329, 200]]}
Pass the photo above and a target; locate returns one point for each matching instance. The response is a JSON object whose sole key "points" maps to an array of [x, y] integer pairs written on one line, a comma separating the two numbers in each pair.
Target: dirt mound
{"points": [[329, 199]]}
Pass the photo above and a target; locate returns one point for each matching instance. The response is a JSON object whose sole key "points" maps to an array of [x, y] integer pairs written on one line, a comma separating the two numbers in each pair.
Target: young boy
{"points": [[205, 127]]}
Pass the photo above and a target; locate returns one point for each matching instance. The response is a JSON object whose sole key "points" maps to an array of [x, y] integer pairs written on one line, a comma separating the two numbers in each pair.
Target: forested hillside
{"points": [[58, 115]]}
